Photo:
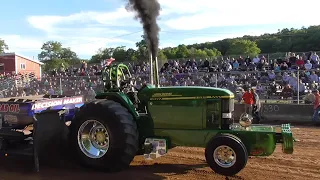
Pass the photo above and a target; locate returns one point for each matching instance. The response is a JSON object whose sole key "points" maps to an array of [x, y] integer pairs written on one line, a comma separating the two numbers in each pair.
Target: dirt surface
{"points": [[184, 163]]}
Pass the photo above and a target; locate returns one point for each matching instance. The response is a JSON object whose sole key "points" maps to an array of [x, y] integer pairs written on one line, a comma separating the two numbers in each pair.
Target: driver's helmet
{"points": [[114, 73]]}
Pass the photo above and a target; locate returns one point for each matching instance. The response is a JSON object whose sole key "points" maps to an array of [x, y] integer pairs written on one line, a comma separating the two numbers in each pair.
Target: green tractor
{"points": [[123, 122]]}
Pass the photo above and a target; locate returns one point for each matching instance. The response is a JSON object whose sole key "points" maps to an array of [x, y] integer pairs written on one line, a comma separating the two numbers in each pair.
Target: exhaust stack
{"points": [[151, 69], [156, 72]]}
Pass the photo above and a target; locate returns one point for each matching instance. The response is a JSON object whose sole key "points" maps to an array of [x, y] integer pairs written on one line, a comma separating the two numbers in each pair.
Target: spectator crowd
{"points": [[280, 78]]}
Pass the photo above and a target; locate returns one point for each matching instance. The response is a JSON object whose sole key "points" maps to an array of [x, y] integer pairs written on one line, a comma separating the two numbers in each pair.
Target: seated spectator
{"points": [[243, 66], [228, 67], [261, 65], [314, 57], [272, 89], [284, 66], [314, 77], [235, 65], [302, 88], [260, 88], [300, 63], [276, 67], [304, 57], [307, 65], [309, 98], [287, 92], [248, 60], [51, 91], [293, 58], [304, 76], [293, 81], [316, 65], [252, 66], [256, 60], [313, 86], [271, 75]]}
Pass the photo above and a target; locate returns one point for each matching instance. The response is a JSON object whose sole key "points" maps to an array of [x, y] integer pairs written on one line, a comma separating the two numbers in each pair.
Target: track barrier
{"points": [[296, 113]]}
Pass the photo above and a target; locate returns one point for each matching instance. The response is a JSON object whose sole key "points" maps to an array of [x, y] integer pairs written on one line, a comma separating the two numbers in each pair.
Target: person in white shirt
{"points": [[308, 65], [229, 67]]}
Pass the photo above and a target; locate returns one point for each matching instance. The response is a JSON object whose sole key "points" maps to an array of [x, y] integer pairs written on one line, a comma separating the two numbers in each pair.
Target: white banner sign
{"points": [[57, 102]]}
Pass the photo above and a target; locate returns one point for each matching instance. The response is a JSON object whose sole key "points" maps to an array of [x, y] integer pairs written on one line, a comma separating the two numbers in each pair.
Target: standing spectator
{"points": [[316, 106], [256, 106], [248, 101]]}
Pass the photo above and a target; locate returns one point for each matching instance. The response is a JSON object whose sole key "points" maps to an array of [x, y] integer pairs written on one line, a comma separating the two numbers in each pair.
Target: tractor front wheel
{"points": [[104, 136], [226, 155]]}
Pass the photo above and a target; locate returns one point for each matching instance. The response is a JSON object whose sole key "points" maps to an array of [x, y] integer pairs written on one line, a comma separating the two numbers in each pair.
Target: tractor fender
{"points": [[236, 137], [230, 135], [122, 99]]}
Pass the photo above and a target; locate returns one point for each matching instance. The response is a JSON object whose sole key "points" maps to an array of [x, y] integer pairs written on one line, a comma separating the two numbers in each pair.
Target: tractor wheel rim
{"points": [[224, 156], [93, 139]]}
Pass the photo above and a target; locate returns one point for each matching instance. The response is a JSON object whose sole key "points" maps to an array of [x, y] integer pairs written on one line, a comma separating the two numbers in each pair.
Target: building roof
{"points": [[14, 54]]}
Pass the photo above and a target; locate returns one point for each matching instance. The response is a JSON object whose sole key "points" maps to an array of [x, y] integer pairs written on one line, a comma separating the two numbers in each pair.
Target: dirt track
{"points": [[186, 163]]}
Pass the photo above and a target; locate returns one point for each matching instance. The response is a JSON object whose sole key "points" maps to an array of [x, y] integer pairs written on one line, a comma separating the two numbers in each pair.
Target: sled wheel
{"points": [[226, 154], [104, 136]]}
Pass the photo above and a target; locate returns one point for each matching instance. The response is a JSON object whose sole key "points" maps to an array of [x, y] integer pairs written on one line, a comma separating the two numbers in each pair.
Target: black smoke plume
{"points": [[148, 12]]}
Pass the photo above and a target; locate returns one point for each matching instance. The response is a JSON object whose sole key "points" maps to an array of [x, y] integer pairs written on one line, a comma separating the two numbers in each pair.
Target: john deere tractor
{"points": [[123, 122]]}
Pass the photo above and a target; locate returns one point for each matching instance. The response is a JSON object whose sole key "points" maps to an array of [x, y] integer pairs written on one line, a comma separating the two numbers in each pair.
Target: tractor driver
{"points": [[114, 76]]}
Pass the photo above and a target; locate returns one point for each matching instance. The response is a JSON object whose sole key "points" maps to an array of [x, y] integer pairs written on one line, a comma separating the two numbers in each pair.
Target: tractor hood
{"points": [[150, 92]]}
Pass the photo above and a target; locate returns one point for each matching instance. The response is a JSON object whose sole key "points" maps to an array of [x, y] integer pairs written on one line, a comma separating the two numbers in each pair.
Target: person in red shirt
{"points": [[316, 106], [300, 63], [248, 98]]}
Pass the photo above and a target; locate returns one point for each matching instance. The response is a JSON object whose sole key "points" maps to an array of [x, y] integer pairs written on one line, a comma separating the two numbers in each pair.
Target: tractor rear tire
{"points": [[226, 144], [121, 129]]}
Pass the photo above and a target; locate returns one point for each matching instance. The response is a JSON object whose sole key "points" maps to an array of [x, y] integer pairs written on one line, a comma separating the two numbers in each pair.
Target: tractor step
{"points": [[8, 133]]}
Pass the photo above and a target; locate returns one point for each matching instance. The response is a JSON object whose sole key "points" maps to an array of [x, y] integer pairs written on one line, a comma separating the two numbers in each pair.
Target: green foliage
{"points": [[141, 53], [245, 47], [3, 46], [54, 56]]}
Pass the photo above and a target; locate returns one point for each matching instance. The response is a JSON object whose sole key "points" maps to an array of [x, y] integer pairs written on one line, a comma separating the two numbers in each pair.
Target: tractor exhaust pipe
{"points": [[151, 70], [157, 73], [154, 76]]}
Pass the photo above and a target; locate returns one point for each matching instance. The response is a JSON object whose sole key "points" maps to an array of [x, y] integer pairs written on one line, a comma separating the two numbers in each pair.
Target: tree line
{"points": [[53, 54]]}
